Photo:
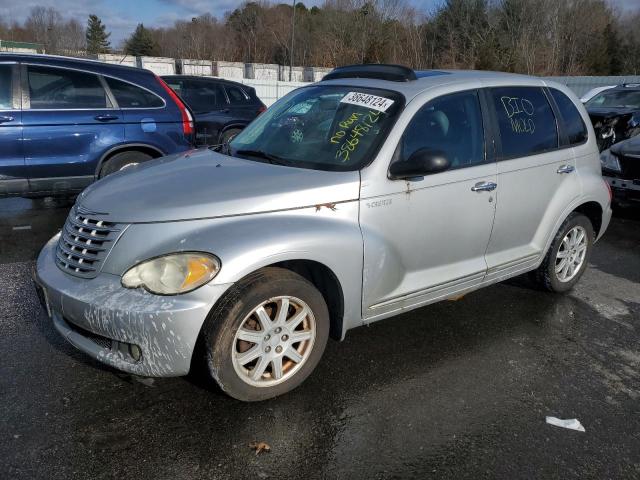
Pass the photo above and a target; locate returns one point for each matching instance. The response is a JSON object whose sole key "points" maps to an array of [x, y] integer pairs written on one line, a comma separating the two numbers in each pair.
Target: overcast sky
{"points": [[121, 16]]}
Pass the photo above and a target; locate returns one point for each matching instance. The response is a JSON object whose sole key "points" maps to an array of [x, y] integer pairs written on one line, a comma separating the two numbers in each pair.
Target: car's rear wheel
{"points": [[568, 255], [123, 160], [229, 135], [266, 335]]}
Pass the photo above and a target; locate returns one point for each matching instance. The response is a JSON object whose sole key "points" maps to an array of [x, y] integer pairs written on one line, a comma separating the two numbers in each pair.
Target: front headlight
{"points": [[173, 273], [610, 161]]}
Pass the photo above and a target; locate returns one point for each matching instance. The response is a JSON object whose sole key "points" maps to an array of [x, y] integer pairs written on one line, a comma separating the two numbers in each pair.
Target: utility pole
{"points": [[293, 28]]}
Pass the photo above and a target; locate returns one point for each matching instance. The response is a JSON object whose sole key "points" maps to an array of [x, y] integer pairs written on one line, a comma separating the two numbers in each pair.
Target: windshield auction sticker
{"points": [[380, 104]]}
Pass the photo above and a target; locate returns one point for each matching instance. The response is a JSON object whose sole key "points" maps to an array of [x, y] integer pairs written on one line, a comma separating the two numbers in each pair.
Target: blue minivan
{"points": [[65, 122]]}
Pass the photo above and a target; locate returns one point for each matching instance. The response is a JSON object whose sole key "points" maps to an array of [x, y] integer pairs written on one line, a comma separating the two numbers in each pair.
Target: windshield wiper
{"points": [[273, 159]]}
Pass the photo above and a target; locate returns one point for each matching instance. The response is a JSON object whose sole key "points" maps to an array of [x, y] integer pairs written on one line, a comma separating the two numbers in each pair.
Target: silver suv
{"points": [[373, 192]]}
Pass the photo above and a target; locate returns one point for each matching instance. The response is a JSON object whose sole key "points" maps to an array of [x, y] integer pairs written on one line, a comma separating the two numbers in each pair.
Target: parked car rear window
{"points": [[5, 87], [131, 96], [237, 95], [202, 96], [61, 89], [525, 120], [451, 124], [616, 99], [573, 123]]}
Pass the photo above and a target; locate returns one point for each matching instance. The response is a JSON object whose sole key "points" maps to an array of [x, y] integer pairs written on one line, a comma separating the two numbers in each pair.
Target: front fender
{"points": [[328, 234]]}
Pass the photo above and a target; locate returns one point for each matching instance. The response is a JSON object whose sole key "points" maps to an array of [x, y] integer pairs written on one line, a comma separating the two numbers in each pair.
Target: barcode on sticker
{"points": [[365, 100]]}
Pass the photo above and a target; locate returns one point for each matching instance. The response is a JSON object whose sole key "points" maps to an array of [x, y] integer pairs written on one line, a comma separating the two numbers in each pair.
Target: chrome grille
{"points": [[84, 243]]}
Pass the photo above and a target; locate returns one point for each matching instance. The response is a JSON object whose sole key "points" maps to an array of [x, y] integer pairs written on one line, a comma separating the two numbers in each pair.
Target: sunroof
{"points": [[429, 73]]}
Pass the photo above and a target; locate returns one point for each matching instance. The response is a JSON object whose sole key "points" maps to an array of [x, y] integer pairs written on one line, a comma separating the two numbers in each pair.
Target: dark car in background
{"points": [[615, 114], [222, 108], [621, 170], [65, 122]]}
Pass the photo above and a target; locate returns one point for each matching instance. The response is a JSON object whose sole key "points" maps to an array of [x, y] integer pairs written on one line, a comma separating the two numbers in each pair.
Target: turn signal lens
{"points": [[173, 274]]}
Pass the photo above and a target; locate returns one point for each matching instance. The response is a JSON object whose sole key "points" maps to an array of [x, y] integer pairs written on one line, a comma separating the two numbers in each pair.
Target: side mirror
{"points": [[421, 162]]}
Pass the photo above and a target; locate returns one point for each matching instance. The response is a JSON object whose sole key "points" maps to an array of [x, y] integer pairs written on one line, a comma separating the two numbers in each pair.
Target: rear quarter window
{"points": [[131, 96], [526, 121], [237, 96], [574, 126]]}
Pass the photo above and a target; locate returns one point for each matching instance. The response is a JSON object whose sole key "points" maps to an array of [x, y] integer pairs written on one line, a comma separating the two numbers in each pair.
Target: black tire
{"points": [[228, 135], [219, 331], [545, 275], [122, 160]]}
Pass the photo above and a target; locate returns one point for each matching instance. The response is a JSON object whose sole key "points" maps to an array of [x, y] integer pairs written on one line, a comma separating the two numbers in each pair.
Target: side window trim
{"points": [[26, 94], [498, 136], [24, 85], [111, 98], [561, 126], [489, 125]]}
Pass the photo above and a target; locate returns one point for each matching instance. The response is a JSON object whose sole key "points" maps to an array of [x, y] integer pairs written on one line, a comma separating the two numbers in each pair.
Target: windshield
{"points": [[617, 98], [321, 127]]}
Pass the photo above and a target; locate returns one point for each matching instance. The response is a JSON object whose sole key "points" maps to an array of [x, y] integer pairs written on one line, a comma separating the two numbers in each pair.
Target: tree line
{"points": [[543, 37]]}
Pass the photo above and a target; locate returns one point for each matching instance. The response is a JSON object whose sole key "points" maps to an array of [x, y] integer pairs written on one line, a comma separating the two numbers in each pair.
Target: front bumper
{"points": [[625, 191], [131, 330]]}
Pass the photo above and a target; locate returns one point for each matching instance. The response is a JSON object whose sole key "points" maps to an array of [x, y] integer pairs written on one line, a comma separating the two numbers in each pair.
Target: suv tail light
{"points": [[261, 109], [187, 118]]}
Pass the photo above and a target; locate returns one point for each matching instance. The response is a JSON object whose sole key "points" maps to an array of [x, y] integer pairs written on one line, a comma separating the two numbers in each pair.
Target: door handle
{"points": [[484, 187], [565, 169], [224, 110], [5, 118], [105, 118]]}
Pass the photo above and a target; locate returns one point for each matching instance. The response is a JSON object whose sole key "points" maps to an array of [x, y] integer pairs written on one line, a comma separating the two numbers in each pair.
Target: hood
{"points": [[206, 184], [628, 148]]}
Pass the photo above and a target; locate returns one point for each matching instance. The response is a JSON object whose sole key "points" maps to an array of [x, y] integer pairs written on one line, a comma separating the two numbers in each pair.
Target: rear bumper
{"points": [[625, 191], [131, 330]]}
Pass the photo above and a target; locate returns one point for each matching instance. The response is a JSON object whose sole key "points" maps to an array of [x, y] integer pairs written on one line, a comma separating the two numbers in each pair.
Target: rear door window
{"points": [[526, 122], [61, 89], [6, 102], [131, 96], [575, 128]]}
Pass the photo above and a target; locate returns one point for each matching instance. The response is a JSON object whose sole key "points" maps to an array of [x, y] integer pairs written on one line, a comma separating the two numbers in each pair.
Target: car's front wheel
{"points": [[568, 255], [267, 335]]}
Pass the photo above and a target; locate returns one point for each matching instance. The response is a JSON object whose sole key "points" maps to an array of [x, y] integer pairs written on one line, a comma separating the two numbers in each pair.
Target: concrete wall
{"points": [[262, 71], [128, 60], [229, 70], [194, 67], [297, 73], [271, 90], [158, 65]]}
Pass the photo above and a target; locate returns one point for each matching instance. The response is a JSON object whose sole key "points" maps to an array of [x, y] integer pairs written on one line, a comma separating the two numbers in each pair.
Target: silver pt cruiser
{"points": [[373, 192]]}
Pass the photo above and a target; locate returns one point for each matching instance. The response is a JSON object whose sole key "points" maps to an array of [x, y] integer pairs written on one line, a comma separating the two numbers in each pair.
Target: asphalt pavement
{"points": [[454, 390]]}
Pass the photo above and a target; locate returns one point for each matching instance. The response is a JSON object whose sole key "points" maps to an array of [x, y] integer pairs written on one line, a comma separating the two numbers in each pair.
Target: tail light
{"points": [[261, 109], [187, 118]]}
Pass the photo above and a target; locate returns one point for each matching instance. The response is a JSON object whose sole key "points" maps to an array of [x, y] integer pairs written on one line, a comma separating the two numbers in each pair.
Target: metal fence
{"points": [[271, 90], [581, 85]]}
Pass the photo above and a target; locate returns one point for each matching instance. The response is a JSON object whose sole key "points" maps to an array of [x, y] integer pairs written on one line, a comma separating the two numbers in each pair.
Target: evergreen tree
{"points": [[97, 36], [140, 43]]}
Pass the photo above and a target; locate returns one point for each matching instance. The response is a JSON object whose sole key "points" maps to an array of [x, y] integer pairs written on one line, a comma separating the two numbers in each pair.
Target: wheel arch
{"points": [[155, 152], [326, 281], [594, 212]]}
